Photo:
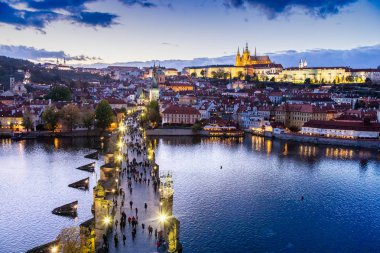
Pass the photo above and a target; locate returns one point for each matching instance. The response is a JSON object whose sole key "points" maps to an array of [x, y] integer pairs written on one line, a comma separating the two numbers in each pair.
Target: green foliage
{"points": [[307, 81], [153, 113], [193, 75], [273, 79], [103, 115], [59, 93], [368, 80], [50, 118], [88, 118], [70, 114], [9, 67], [196, 127], [27, 121], [294, 129], [203, 72]]}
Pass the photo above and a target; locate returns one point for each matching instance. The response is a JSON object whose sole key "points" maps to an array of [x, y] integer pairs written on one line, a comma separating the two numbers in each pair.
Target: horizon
{"points": [[121, 31]]}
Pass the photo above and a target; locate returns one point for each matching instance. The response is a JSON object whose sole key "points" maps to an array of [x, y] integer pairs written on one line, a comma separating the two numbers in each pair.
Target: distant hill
{"points": [[11, 66]]}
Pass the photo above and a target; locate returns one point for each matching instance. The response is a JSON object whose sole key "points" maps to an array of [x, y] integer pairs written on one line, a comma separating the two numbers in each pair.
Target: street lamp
{"points": [[122, 128], [54, 249]]}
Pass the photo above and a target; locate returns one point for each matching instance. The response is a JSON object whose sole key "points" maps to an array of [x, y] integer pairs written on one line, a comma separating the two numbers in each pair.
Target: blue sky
{"points": [[140, 30]]}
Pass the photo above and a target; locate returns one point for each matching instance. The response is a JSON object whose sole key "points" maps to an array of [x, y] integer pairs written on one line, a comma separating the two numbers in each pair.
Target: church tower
{"points": [[246, 58], [238, 62]]}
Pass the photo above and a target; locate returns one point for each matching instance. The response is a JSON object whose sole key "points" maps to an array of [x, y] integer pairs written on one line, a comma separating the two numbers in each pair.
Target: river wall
{"points": [[373, 144], [48, 134], [175, 132]]}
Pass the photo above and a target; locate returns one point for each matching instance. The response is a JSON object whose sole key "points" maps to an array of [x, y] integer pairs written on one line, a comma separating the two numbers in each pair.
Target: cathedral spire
{"points": [[255, 51]]}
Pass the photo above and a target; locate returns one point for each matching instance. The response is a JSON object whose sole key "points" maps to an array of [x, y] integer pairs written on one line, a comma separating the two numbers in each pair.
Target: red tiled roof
{"points": [[174, 109], [353, 125]]}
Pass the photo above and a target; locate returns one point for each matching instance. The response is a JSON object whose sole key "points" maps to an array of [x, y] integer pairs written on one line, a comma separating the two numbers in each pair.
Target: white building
{"points": [[342, 129]]}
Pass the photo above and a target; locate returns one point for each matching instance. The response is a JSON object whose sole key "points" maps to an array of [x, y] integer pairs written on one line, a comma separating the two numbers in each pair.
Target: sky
{"points": [[89, 31]]}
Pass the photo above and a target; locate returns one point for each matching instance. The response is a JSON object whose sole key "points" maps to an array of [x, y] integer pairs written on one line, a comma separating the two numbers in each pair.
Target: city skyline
{"points": [[121, 31]]}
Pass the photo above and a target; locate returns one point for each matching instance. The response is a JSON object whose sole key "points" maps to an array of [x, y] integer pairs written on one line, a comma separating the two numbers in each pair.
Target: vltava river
{"points": [[252, 204]]}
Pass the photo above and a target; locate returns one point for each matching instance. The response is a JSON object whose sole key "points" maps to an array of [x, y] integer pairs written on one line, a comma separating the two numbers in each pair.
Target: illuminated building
{"points": [[246, 59]]}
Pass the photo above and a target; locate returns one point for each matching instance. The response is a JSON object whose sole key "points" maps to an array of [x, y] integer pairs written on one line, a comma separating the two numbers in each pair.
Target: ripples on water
{"points": [[33, 181], [252, 204]]}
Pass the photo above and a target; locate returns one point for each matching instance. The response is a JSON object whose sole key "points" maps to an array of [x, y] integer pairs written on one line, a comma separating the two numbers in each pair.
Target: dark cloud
{"points": [[142, 3], [31, 53], [273, 8], [25, 18], [95, 18]]}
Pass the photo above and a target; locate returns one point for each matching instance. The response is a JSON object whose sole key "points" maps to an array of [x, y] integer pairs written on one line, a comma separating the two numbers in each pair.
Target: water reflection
{"points": [[254, 201]]}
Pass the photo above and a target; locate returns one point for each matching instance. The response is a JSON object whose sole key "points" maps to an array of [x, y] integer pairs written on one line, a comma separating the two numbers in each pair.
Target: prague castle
{"points": [[245, 65], [246, 59]]}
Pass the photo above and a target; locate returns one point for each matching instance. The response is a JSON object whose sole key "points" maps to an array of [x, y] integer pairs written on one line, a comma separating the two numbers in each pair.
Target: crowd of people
{"points": [[136, 171]]}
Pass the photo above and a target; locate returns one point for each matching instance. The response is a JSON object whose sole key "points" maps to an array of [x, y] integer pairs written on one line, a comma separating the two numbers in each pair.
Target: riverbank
{"points": [[371, 144], [48, 134]]}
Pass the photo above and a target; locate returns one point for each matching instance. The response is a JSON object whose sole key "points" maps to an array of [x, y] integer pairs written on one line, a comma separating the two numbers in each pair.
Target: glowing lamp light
{"points": [[107, 220], [54, 249], [162, 218], [122, 128], [119, 158], [116, 180], [120, 144], [113, 190]]}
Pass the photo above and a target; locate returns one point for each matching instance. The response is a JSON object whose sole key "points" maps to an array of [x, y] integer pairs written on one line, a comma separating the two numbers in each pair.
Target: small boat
{"points": [[94, 155], [88, 167], [67, 210], [81, 184]]}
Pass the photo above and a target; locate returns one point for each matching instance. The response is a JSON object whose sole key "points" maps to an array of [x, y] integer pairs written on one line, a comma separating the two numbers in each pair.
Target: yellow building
{"points": [[316, 75], [247, 59], [295, 115]]}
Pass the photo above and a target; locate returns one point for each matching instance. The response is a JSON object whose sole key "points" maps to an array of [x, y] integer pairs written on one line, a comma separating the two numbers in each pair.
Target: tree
{"points": [[203, 73], [27, 121], [307, 81], [59, 93], [88, 118], [50, 118], [368, 80], [153, 113], [196, 127], [70, 240], [273, 79], [294, 129], [240, 75], [194, 75], [70, 115], [103, 115]]}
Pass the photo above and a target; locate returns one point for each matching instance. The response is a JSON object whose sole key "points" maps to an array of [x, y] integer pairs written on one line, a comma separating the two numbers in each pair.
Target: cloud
{"points": [[94, 19], [34, 54], [142, 3], [25, 18], [169, 44], [273, 8], [38, 14]]}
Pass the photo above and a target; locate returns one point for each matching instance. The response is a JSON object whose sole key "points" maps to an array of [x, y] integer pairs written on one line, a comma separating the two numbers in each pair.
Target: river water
{"points": [[251, 204]]}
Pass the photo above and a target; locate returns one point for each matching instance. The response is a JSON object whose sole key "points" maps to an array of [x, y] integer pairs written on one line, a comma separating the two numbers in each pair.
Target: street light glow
{"points": [[107, 220], [122, 128], [54, 249], [162, 218]]}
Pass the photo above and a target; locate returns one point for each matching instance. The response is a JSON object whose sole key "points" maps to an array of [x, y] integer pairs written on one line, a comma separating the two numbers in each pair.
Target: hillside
{"points": [[11, 67]]}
